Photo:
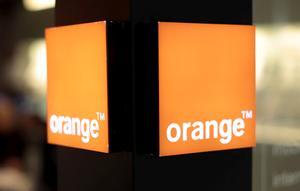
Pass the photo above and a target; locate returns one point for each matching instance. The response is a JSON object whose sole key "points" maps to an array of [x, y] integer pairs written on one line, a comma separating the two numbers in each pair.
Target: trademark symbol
{"points": [[247, 114], [100, 116]]}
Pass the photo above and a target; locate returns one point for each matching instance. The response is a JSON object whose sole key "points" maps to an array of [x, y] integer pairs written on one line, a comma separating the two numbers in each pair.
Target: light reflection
{"points": [[37, 5], [36, 71], [278, 45]]}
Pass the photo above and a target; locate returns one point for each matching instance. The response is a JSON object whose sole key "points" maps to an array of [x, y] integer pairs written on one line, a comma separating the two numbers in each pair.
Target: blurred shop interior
{"points": [[276, 158], [27, 163]]}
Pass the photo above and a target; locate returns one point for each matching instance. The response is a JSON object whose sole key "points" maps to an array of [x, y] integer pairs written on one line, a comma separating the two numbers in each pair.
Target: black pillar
{"points": [[137, 166]]}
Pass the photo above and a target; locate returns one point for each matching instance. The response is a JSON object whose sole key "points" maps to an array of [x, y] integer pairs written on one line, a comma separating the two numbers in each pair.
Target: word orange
{"points": [[202, 130], [75, 126]]}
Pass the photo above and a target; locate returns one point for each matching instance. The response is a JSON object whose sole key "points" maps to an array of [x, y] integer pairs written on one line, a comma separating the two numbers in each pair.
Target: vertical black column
{"points": [[137, 166]]}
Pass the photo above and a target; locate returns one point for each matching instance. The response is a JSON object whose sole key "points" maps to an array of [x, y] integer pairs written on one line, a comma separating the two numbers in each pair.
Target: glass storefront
{"points": [[276, 158]]}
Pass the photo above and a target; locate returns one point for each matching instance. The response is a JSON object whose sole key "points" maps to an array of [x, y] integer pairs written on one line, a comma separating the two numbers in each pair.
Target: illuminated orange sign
{"points": [[77, 108], [206, 87]]}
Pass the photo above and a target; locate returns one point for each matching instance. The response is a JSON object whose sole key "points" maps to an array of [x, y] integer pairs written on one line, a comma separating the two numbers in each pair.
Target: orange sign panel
{"points": [[206, 87], [77, 108]]}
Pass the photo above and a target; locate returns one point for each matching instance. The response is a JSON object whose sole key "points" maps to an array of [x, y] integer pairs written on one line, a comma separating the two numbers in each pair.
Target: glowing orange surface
{"points": [[77, 84], [206, 72]]}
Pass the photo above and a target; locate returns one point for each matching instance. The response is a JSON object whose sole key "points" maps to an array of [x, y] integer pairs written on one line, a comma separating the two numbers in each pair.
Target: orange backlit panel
{"points": [[206, 87], [77, 108]]}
